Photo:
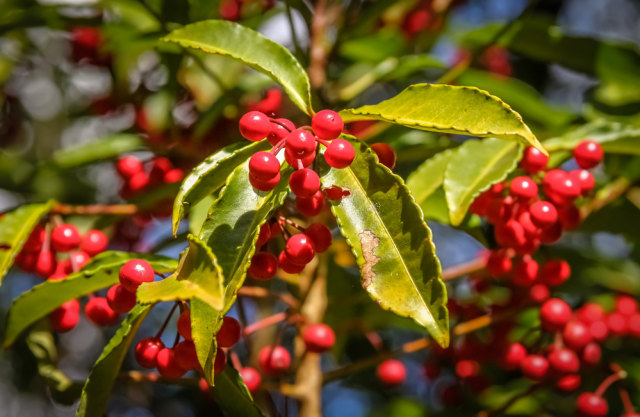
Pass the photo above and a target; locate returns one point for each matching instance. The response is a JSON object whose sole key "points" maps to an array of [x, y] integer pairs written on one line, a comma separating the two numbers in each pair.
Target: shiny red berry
{"points": [[498, 263], [299, 162], [79, 259], [65, 317], [304, 182], [128, 166], [576, 335], [185, 355], [184, 324], [525, 272], [287, 266], [264, 266], [135, 272], [94, 242], [391, 372], [45, 263], [251, 378], [146, 351], [543, 213], [523, 188], [320, 236], [534, 367], [167, 364], [280, 130], [555, 272], [569, 382], [585, 179], [569, 217], [35, 240], [255, 126], [533, 160], [386, 154], [318, 338], [551, 234], [65, 237], [264, 235], [539, 293], [264, 166], [300, 143], [327, 124], [98, 311], [513, 356], [299, 249], [120, 300], [592, 405], [172, 176], [591, 354], [591, 312], [264, 185], [274, 360], [588, 154], [229, 333], [564, 361], [554, 314], [339, 154], [138, 182], [311, 206], [626, 305]]}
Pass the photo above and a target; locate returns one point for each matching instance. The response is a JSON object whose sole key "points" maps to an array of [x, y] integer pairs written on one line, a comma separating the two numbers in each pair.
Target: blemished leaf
{"points": [[232, 395], [614, 138], [251, 48], [429, 176], [393, 246], [100, 273], [98, 150], [15, 228], [474, 167], [210, 175], [449, 109], [97, 389]]}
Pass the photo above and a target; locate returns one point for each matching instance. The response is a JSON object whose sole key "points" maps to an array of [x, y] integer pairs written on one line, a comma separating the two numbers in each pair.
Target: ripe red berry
{"points": [[534, 367], [184, 324], [264, 266], [591, 354], [592, 405], [555, 272], [299, 162], [533, 160], [543, 213], [251, 378], [335, 193], [280, 130], [159, 169], [79, 259], [311, 206], [135, 272], [167, 364], [569, 382], [510, 234], [500, 210], [299, 249], [551, 234], [320, 236], [564, 190], [120, 300], [327, 124], [229, 333], [525, 272], [569, 217], [274, 360], [146, 351], [287, 266], [588, 154], [339, 154], [585, 179], [128, 166], [467, 368], [626, 305], [304, 182], [564, 361], [539, 293], [35, 240], [64, 238], [513, 356], [554, 314], [45, 263], [94, 242], [65, 317], [617, 324], [591, 312], [523, 188], [173, 175], [318, 338], [576, 335], [255, 126], [138, 182], [98, 311], [300, 143], [185, 355], [386, 154], [220, 362], [264, 166], [264, 185], [264, 235], [391, 372], [498, 263]]}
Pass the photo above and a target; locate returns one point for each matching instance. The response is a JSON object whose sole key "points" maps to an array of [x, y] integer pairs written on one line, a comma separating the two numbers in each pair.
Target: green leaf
{"points": [[393, 246], [100, 273], [210, 175], [449, 109], [614, 138], [15, 228], [475, 166], [98, 150], [97, 389], [232, 395], [205, 323], [429, 176], [253, 49]]}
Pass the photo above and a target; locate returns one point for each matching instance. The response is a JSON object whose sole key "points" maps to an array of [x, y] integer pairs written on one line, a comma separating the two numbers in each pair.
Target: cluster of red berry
{"points": [[421, 18], [137, 179]]}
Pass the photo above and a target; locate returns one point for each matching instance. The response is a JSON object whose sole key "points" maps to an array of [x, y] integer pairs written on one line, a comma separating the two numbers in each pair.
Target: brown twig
{"points": [[259, 292], [265, 322], [318, 49], [138, 376], [120, 209], [465, 268]]}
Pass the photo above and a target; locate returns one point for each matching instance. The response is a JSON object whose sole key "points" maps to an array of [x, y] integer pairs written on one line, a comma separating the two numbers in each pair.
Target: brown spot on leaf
{"points": [[369, 242]]}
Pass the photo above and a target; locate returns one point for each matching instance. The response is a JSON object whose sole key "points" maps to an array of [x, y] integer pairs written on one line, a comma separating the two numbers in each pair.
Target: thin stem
{"points": [[138, 376], [318, 52], [166, 321], [626, 401], [610, 380], [464, 268], [260, 292], [265, 322], [505, 407], [120, 209]]}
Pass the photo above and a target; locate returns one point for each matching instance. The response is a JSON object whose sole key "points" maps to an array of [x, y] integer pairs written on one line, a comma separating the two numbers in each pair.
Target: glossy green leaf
{"points": [[100, 273], [97, 389], [232, 395], [393, 246], [248, 46], [15, 228], [98, 150], [449, 109], [429, 176], [205, 323], [210, 175], [475, 166], [614, 138]]}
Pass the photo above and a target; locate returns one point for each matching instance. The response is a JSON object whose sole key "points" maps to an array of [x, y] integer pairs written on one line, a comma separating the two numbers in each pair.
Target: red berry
{"points": [[566, 188], [533, 160], [287, 266], [251, 378], [539, 293], [120, 300], [564, 361], [167, 364], [320, 236], [633, 324], [299, 249], [576, 335], [173, 175], [304, 182], [591, 354], [279, 132], [318, 338], [146, 351], [327, 124], [264, 265], [339, 154], [534, 367], [626, 305], [185, 355], [64, 238], [599, 330], [296, 162], [159, 169], [94, 242], [569, 382], [554, 314], [569, 216], [184, 324], [264, 235], [510, 234], [128, 166], [513, 356], [229, 333], [588, 154], [45, 263], [65, 317], [98, 311], [551, 234], [138, 182], [555, 272], [543, 213], [264, 185], [264, 166], [500, 210], [591, 312], [386, 154], [585, 179], [220, 362], [617, 324], [592, 405], [57, 276], [255, 126], [498, 263], [300, 143], [467, 368], [274, 360], [35, 240], [135, 272], [311, 206], [525, 272], [79, 259], [391, 372], [523, 188]]}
